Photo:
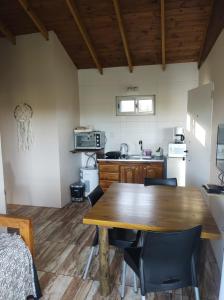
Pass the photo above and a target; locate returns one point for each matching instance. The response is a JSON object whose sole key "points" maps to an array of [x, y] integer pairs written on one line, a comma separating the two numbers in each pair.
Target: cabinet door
{"points": [[152, 171], [130, 174]]}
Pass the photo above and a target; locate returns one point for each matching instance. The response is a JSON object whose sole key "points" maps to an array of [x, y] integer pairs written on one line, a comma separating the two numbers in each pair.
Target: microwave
{"points": [[90, 140], [177, 150]]}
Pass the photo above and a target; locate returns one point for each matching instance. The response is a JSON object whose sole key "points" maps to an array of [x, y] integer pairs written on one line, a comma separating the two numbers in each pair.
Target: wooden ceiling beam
{"points": [[75, 14], [214, 28], [7, 33], [37, 22], [162, 12], [123, 34]]}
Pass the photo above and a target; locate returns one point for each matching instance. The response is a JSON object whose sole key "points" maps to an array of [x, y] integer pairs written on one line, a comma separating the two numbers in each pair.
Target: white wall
{"points": [[212, 70], [29, 73], [68, 117], [97, 103]]}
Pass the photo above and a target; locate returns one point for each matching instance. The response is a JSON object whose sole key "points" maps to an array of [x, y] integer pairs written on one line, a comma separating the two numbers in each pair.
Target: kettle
{"points": [[124, 150]]}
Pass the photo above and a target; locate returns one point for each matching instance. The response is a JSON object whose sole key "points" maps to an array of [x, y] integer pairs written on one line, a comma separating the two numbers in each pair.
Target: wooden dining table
{"points": [[152, 208]]}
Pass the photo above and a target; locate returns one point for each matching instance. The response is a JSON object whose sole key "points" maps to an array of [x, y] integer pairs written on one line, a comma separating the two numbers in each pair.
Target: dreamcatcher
{"points": [[23, 114]]}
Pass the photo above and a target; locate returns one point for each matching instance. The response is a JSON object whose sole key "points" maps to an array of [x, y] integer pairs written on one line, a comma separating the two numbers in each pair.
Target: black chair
{"points": [[118, 237], [166, 261], [160, 181]]}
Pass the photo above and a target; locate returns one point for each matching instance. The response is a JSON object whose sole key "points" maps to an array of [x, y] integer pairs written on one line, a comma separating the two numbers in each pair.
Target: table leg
{"points": [[104, 262]]}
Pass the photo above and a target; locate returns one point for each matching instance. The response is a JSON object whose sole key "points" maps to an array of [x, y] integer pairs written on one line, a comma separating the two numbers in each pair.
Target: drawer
{"points": [[106, 183], [154, 165], [109, 168], [109, 176]]}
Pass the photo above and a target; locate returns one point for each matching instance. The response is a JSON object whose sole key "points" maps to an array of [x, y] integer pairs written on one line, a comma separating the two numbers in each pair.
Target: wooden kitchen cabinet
{"points": [[108, 173], [128, 172], [152, 171], [109, 168]]}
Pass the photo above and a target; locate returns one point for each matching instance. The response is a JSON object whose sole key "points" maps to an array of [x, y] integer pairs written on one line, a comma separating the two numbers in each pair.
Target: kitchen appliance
{"points": [[177, 150], [179, 135], [90, 177], [113, 154], [77, 191], [176, 163], [89, 140], [124, 150]]}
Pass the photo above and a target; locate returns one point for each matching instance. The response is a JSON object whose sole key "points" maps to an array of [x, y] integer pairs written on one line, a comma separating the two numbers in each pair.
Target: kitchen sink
{"points": [[139, 157]]}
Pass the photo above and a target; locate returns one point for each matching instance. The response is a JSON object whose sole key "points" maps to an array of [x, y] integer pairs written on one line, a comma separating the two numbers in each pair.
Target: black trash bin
{"points": [[77, 191]]}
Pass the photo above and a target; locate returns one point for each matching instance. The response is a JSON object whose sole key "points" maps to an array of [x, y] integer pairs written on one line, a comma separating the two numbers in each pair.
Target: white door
{"points": [[2, 188], [198, 135]]}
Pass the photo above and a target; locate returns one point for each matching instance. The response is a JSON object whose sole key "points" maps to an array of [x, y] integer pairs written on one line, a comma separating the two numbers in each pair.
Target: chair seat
{"points": [[123, 238], [120, 238], [132, 258]]}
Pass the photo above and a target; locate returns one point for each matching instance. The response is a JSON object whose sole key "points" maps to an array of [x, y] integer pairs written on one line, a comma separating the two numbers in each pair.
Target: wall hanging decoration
{"points": [[23, 114]]}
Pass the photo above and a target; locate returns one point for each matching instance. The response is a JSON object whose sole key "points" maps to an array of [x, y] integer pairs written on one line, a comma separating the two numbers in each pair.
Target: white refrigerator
{"points": [[176, 162]]}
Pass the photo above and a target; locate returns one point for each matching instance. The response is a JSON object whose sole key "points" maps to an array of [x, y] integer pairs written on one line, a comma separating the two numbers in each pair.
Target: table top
{"points": [[157, 208]]}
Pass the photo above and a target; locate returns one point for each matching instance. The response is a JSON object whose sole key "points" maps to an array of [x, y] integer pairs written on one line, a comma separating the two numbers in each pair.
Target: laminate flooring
{"points": [[62, 246]]}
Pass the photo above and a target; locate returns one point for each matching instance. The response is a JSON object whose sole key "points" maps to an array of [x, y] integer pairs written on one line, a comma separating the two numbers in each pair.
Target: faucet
{"points": [[141, 147]]}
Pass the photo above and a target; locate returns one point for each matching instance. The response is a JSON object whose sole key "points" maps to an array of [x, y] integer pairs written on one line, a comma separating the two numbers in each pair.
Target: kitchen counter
{"points": [[135, 159], [133, 169]]}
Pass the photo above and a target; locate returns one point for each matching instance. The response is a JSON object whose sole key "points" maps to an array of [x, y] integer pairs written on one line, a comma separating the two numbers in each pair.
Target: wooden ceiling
{"points": [[110, 33]]}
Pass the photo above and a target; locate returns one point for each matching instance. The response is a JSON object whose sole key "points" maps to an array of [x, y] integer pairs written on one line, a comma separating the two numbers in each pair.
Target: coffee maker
{"points": [[179, 135]]}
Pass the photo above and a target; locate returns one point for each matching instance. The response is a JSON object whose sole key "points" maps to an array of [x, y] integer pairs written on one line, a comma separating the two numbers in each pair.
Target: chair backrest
{"points": [[168, 259], [95, 195], [160, 181]]}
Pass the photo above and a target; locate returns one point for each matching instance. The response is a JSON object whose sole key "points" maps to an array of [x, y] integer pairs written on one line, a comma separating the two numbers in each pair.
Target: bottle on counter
{"points": [[159, 152]]}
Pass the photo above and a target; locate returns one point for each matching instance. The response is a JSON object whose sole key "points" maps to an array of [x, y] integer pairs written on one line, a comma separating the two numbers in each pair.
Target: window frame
{"points": [[136, 99]]}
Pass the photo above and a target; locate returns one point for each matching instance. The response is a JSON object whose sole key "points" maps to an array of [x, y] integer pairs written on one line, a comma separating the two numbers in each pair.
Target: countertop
{"points": [[130, 159]]}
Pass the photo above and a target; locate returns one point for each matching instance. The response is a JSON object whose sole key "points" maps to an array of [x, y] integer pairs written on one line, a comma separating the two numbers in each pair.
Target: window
{"points": [[135, 105]]}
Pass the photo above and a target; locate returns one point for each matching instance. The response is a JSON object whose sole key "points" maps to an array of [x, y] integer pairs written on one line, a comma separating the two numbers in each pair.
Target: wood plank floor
{"points": [[62, 245]]}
